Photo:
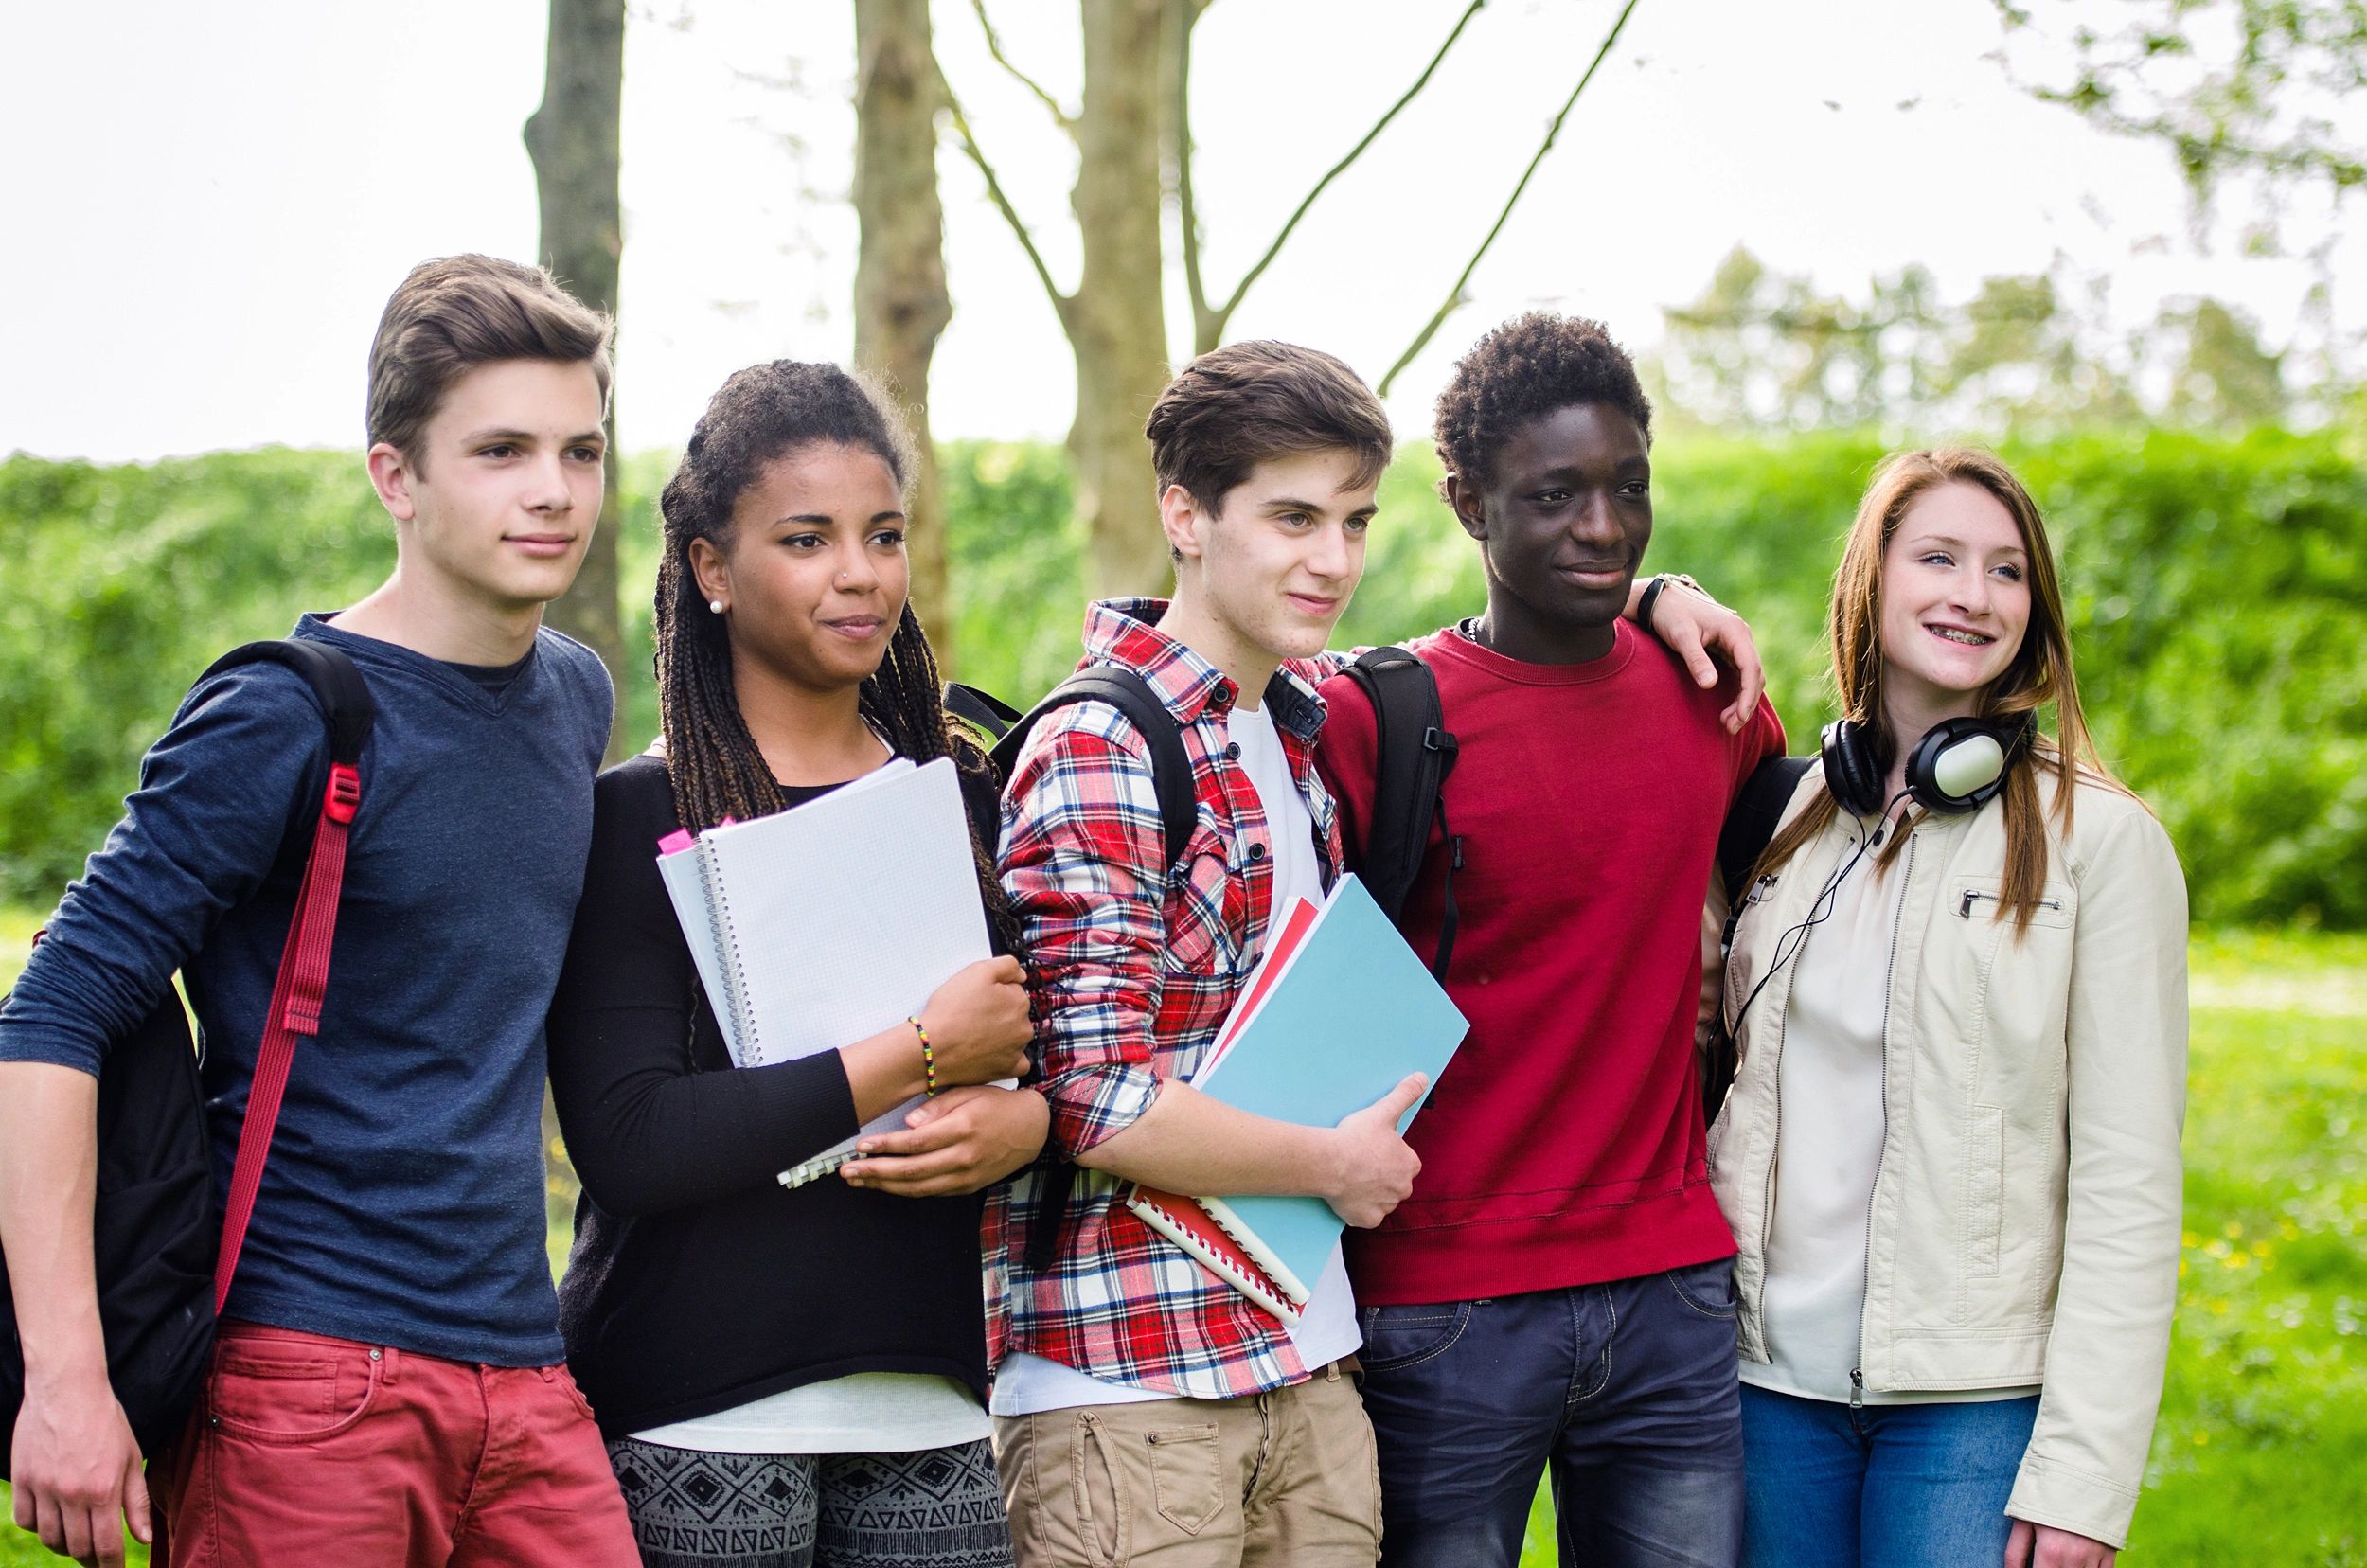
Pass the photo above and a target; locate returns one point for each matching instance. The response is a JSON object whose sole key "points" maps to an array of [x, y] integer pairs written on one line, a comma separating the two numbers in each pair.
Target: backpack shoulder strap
{"points": [[337, 685], [1179, 810], [303, 979], [1170, 765], [976, 705], [1413, 753], [1751, 821]]}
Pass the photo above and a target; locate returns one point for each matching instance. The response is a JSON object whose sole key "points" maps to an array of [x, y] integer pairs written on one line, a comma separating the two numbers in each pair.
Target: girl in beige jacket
{"points": [[1950, 1153]]}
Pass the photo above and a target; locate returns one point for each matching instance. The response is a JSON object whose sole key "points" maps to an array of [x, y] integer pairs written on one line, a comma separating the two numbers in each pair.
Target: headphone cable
{"points": [[1820, 910]]}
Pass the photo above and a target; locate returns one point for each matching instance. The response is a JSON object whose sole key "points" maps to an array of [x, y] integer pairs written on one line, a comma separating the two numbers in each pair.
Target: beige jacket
{"points": [[2024, 1223]]}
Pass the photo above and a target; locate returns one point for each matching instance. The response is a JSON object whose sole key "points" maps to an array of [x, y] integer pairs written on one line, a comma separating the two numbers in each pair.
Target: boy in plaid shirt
{"points": [[1142, 1404]]}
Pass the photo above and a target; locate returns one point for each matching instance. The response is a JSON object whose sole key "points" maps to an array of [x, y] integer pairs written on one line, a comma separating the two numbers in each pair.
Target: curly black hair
{"points": [[1525, 369]]}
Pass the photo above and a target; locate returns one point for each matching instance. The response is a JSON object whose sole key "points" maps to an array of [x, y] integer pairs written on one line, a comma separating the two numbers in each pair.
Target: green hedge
{"points": [[2215, 587]]}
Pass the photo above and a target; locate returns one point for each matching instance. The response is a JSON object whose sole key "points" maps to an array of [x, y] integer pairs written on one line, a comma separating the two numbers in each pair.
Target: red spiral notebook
{"points": [[1204, 1226]]}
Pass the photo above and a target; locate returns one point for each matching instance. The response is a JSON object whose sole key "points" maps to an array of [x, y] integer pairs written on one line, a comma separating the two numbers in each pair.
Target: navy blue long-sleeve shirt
{"points": [[403, 1200]]}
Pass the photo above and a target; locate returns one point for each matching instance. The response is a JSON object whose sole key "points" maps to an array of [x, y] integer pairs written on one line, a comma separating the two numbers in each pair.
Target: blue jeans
{"points": [[1908, 1486], [1626, 1390]]}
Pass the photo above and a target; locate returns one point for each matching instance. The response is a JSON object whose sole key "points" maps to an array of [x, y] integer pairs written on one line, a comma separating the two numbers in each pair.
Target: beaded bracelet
{"points": [[928, 1056]]}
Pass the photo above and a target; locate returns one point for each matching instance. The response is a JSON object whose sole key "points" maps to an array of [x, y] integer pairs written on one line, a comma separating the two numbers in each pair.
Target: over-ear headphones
{"points": [[1959, 766]]}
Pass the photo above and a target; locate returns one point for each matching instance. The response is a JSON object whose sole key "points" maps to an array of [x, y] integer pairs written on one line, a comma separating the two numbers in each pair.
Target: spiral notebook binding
{"points": [[1269, 1287], [735, 972]]}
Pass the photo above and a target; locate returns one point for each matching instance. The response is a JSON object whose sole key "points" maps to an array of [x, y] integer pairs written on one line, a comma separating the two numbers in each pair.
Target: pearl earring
{"points": [[715, 605]]}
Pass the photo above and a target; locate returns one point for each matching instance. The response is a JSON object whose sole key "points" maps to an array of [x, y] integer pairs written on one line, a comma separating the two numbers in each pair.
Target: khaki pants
{"points": [[1285, 1479]]}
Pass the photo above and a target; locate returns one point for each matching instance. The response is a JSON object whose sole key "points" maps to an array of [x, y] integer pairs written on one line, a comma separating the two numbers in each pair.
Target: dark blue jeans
{"points": [[1626, 1391], [1907, 1486]]}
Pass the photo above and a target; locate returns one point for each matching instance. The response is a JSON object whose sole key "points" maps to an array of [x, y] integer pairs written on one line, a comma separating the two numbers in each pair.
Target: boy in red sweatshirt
{"points": [[1557, 1290]]}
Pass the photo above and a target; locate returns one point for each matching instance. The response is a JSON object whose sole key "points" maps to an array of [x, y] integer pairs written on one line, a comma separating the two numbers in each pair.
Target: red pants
{"points": [[306, 1450]]}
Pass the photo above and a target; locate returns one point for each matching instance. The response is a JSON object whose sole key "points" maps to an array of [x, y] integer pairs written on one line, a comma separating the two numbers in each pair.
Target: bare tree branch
{"points": [[994, 46], [1185, 13], [1209, 325], [1455, 298], [1061, 302]]}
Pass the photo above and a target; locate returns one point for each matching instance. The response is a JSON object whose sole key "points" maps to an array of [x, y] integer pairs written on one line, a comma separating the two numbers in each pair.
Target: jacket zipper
{"points": [[1774, 1142], [1890, 970], [1964, 906]]}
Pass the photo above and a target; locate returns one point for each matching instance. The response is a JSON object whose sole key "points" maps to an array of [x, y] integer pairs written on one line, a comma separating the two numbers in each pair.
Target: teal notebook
{"points": [[1354, 1012]]}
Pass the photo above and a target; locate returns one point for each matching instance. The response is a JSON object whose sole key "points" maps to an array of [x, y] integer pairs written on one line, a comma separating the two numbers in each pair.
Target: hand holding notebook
{"points": [[1338, 1013], [833, 920]]}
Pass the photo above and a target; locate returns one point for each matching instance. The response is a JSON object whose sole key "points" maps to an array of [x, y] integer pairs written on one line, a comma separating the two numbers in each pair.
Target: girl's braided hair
{"points": [[759, 415]]}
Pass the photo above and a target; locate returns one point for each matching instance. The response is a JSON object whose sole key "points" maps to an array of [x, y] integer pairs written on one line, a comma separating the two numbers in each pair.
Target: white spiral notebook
{"points": [[829, 923]]}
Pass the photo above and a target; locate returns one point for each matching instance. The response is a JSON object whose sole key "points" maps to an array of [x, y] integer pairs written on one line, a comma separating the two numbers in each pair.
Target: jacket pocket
{"points": [[1984, 899], [1984, 1192]]}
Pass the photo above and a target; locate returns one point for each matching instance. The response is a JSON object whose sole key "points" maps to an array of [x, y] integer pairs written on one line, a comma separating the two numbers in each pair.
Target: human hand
{"points": [[77, 1470], [978, 1024], [2044, 1546], [1703, 634], [962, 1140], [1373, 1167]]}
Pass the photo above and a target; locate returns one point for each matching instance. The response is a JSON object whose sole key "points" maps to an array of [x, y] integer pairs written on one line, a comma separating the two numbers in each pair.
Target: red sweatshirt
{"points": [[1564, 1144]]}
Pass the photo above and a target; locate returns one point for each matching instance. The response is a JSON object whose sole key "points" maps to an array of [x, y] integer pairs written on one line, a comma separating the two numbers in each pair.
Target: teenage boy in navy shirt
{"points": [[1556, 1291], [388, 1385]]}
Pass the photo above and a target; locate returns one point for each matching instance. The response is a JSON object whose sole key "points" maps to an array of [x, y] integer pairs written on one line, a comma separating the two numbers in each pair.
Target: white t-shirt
{"points": [[1829, 1147], [1326, 1328], [862, 1413]]}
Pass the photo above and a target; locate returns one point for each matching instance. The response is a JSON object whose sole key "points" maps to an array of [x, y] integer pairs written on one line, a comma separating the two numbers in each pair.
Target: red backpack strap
{"points": [[303, 981]]}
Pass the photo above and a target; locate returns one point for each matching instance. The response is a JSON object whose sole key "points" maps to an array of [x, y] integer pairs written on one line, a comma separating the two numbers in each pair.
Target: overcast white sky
{"points": [[206, 205]]}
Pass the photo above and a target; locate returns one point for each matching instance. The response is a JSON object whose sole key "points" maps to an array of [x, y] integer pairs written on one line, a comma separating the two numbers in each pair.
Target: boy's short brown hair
{"points": [[456, 312], [1235, 407]]}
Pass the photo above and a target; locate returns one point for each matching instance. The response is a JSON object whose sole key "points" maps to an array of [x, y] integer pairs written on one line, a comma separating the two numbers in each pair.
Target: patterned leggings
{"points": [[930, 1508]]}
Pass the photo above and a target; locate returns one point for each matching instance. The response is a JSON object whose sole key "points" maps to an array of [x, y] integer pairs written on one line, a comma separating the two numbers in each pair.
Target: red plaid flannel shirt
{"points": [[1132, 973]]}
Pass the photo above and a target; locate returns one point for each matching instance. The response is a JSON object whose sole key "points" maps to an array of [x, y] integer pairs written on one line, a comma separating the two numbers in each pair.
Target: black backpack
{"points": [[1171, 765], [1414, 755], [1179, 809], [1751, 824], [159, 1250]]}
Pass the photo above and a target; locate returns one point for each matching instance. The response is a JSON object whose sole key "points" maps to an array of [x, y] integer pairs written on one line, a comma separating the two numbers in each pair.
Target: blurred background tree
{"points": [[575, 139], [2230, 87], [903, 303], [1131, 130]]}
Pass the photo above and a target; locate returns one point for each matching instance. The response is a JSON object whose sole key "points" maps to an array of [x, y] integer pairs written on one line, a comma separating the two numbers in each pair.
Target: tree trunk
{"points": [[902, 303], [1117, 321], [574, 140]]}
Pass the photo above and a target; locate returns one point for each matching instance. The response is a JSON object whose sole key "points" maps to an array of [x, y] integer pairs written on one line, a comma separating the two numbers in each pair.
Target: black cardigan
{"points": [[697, 1282]]}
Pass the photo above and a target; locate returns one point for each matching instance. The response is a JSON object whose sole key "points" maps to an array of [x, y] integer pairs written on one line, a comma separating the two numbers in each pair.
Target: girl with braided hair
{"points": [[783, 1377]]}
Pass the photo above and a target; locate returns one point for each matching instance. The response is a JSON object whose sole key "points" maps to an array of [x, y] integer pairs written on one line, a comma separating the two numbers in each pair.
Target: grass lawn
{"points": [[2260, 1460]]}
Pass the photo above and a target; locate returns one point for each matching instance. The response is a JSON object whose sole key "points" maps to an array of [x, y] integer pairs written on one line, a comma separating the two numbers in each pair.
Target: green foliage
{"points": [[1017, 552], [2228, 87], [1760, 350], [2216, 586], [119, 584]]}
